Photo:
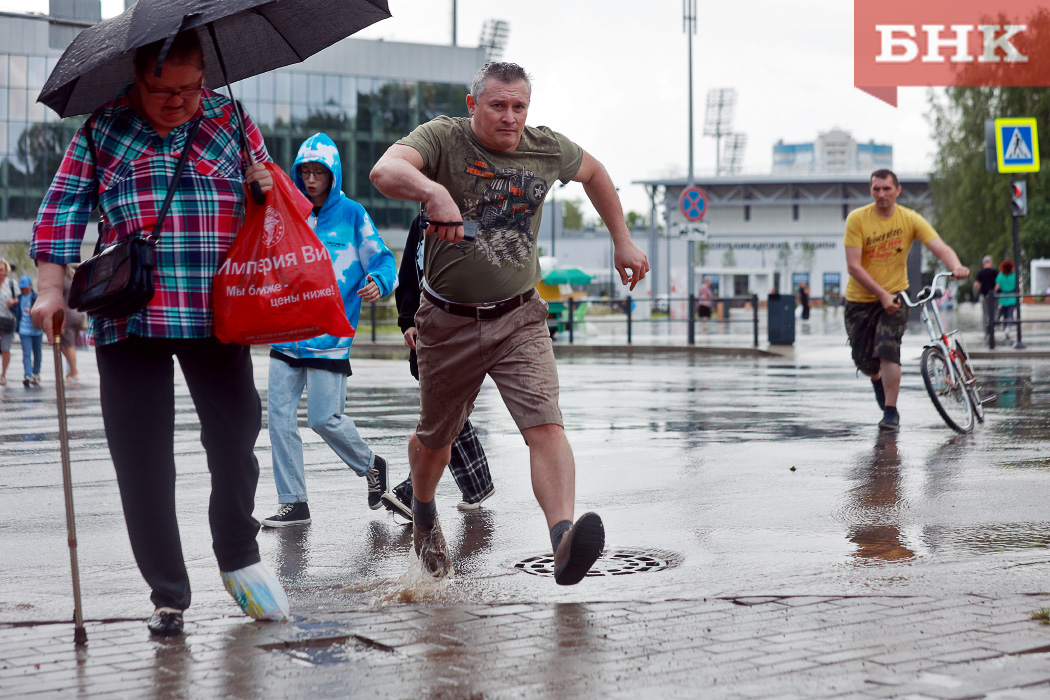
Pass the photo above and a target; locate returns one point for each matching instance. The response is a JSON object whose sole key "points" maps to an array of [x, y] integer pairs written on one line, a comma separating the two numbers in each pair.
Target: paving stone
{"points": [[813, 647]]}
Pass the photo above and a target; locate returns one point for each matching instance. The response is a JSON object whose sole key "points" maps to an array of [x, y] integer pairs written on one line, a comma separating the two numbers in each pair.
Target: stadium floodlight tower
{"points": [[493, 39], [734, 153], [718, 119]]}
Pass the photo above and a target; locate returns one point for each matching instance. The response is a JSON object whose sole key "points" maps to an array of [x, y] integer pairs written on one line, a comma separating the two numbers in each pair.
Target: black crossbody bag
{"points": [[119, 281]]}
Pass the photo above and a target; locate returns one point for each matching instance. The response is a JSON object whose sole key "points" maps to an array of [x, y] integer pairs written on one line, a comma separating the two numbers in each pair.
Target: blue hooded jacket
{"points": [[345, 228]]}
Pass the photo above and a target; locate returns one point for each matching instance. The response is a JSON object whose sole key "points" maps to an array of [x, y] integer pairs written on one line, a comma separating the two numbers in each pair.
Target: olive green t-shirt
{"points": [[503, 192], [884, 244]]}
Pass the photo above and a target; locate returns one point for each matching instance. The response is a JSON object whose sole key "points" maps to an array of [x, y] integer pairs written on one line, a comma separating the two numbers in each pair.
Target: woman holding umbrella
{"points": [[122, 161]]}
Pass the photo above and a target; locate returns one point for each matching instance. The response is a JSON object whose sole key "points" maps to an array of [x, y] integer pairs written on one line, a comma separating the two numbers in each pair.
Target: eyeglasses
{"points": [[165, 95], [312, 174]]}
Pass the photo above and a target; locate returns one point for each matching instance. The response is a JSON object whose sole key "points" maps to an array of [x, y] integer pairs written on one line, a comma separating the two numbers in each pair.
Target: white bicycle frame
{"points": [[931, 318]]}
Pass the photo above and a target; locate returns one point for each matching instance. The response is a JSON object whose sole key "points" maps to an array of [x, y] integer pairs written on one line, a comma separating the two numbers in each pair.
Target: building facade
{"points": [[835, 151], [364, 94], [768, 233]]}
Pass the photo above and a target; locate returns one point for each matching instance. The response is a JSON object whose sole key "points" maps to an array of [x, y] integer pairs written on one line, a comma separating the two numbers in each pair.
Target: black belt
{"points": [[484, 312]]}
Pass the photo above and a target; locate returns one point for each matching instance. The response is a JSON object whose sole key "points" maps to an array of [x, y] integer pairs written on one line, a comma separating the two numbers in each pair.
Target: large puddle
{"points": [[713, 477]]}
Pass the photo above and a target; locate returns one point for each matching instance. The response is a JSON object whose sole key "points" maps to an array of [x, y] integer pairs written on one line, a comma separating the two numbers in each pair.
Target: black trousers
{"points": [[138, 410]]}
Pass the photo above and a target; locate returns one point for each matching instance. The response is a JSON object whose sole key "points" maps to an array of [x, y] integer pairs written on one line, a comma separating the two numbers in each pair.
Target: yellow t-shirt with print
{"points": [[884, 244]]}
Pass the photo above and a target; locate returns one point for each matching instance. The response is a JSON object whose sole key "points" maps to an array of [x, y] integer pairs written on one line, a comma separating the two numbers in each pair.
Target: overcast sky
{"points": [[613, 76]]}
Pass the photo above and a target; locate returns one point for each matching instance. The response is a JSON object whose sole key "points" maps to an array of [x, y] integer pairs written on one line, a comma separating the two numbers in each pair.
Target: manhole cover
{"points": [[612, 562]]}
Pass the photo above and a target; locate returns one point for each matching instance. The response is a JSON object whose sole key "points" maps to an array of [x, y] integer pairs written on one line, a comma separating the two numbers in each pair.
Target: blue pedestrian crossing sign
{"points": [[1017, 145], [693, 203]]}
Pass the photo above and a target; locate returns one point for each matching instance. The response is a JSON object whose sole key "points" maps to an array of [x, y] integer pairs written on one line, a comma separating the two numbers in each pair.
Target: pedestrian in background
{"points": [[984, 285], [364, 269], [31, 336], [70, 330], [803, 299], [122, 160], [704, 305], [878, 238], [1005, 286], [9, 294]]}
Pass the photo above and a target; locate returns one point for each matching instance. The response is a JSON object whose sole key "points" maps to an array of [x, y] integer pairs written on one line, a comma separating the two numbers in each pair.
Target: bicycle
{"points": [[945, 365]]}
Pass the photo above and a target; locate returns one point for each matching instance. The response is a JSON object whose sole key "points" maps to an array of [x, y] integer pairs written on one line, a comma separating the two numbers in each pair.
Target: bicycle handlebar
{"points": [[926, 294]]}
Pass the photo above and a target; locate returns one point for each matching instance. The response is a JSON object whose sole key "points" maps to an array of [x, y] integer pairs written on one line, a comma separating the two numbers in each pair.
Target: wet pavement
{"points": [[763, 540]]}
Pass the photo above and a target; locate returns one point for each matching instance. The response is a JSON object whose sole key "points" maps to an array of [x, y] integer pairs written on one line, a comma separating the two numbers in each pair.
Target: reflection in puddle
{"points": [[989, 539], [875, 504]]}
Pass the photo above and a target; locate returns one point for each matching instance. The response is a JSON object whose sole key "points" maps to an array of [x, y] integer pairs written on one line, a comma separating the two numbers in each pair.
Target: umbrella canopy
{"points": [[254, 36], [567, 275]]}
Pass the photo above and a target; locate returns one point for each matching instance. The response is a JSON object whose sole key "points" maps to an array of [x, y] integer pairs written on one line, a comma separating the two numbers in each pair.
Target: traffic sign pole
{"points": [[1017, 274], [693, 205], [1017, 151]]}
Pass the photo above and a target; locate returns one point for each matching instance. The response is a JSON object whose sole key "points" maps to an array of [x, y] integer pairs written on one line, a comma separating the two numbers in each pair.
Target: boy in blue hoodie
{"points": [[365, 271], [31, 336]]}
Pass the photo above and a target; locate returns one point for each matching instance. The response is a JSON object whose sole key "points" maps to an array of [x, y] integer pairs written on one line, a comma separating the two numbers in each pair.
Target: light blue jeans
{"points": [[325, 400], [32, 353]]}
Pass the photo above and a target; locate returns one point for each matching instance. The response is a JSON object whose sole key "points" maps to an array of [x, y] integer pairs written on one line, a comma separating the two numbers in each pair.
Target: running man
{"points": [[480, 315]]}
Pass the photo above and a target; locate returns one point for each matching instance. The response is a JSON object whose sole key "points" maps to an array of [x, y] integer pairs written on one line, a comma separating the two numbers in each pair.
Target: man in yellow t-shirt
{"points": [[878, 239]]}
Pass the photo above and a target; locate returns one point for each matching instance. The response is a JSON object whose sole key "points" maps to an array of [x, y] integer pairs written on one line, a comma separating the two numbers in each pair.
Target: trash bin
{"points": [[781, 319]]}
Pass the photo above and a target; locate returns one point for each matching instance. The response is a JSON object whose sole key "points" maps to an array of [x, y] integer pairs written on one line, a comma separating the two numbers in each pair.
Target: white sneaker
{"points": [[464, 505]]}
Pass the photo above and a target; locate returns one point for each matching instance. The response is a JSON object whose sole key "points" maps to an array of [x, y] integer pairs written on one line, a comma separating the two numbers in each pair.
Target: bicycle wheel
{"points": [[950, 397]]}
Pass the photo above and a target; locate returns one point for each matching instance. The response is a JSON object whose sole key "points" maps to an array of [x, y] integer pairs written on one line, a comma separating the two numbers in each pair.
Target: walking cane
{"points": [[79, 633]]}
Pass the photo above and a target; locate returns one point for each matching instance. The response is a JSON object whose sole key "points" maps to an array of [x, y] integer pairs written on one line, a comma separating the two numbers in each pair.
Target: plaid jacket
{"points": [[128, 184]]}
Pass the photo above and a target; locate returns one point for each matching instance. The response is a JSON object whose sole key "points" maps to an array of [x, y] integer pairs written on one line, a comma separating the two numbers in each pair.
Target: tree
{"points": [[971, 205], [573, 217], [40, 148], [18, 255], [728, 258], [807, 252], [634, 220]]}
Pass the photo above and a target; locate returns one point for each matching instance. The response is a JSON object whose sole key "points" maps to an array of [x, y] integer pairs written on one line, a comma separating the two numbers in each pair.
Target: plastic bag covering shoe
{"points": [[258, 592], [277, 283]]}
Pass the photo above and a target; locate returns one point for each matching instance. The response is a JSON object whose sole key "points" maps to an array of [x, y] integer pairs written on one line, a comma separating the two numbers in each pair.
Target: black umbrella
{"points": [[255, 36], [259, 35]]}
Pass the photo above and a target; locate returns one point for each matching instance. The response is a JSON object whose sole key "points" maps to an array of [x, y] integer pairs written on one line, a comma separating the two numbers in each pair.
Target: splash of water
{"points": [[416, 585]]}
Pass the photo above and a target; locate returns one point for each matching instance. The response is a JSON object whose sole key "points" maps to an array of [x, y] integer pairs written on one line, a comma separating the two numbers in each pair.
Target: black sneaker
{"points": [[578, 549], [376, 476], [891, 420], [880, 393], [165, 622], [289, 514]]}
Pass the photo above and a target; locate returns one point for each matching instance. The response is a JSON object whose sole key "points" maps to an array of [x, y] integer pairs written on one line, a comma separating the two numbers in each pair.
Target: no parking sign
{"points": [[693, 203]]}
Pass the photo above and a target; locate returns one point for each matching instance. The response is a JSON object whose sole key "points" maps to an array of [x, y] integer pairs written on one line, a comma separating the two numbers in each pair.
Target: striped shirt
{"points": [[129, 184]]}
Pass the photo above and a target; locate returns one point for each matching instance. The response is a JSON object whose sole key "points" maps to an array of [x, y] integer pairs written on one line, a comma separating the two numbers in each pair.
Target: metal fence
{"points": [[993, 308], [622, 310], [736, 315]]}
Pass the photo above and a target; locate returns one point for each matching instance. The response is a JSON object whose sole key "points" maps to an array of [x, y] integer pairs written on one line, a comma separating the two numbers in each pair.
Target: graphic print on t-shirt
{"points": [[885, 245], [507, 200]]}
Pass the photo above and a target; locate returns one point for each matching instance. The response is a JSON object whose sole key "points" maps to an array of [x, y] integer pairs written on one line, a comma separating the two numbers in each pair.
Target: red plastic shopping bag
{"points": [[277, 283]]}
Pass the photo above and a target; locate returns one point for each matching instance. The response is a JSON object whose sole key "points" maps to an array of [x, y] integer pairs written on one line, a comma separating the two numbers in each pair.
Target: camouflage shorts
{"points": [[874, 334]]}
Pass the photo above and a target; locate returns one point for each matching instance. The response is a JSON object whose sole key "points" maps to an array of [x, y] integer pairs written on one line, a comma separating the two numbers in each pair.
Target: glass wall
{"points": [[32, 138], [362, 115]]}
